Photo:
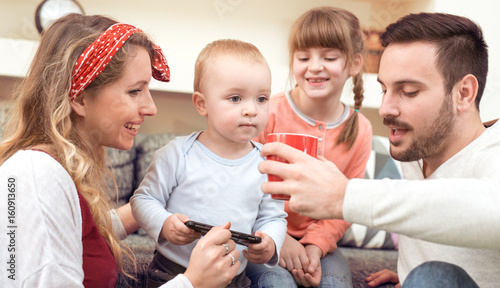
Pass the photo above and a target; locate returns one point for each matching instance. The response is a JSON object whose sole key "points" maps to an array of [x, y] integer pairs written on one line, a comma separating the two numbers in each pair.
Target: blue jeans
{"points": [[334, 268], [439, 274]]}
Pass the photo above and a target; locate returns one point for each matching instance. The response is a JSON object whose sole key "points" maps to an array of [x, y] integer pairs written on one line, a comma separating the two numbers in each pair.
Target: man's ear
{"points": [[200, 103], [78, 104], [467, 92], [356, 65]]}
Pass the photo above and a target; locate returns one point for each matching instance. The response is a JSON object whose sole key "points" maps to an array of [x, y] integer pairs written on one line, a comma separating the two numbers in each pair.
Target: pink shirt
{"points": [[284, 116]]}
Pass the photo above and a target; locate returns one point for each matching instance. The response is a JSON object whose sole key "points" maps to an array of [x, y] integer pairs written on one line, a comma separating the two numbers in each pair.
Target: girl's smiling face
{"points": [[320, 72]]}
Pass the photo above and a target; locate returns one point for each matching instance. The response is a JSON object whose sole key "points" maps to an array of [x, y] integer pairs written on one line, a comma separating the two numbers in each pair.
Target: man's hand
{"points": [[316, 186]]}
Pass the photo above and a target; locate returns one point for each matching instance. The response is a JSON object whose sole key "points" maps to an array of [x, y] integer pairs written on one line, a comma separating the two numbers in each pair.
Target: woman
{"points": [[87, 88]]}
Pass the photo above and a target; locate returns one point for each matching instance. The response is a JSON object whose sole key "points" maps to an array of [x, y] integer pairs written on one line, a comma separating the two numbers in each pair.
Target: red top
{"points": [[99, 264], [285, 118]]}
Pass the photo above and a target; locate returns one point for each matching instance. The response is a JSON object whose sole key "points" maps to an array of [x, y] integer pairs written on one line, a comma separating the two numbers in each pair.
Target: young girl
{"points": [[326, 47]]}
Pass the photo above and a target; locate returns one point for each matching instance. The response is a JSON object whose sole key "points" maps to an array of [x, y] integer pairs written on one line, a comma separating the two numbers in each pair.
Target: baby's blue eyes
{"points": [[262, 99], [235, 99]]}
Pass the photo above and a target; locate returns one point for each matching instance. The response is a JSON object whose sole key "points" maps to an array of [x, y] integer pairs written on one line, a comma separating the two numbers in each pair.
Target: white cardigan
{"points": [[42, 239]]}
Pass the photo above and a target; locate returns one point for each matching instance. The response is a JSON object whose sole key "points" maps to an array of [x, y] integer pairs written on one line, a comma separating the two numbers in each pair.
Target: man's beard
{"points": [[425, 145]]}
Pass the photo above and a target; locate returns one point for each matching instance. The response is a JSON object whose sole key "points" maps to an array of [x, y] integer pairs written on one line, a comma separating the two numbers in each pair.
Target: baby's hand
{"points": [[176, 232], [262, 252]]}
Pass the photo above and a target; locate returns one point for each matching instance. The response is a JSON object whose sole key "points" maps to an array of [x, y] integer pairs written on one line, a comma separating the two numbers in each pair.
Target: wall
{"points": [[183, 28], [485, 13]]}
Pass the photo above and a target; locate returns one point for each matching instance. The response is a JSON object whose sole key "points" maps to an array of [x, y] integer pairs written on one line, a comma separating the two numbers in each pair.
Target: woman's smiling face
{"points": [[114, 114]]}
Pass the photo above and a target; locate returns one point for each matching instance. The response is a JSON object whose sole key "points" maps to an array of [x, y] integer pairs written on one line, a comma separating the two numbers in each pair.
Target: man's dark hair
{"points": [[461, 48]]}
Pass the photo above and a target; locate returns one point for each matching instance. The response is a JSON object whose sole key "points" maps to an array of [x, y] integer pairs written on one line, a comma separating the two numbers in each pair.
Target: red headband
{"points": [[98, 55]]}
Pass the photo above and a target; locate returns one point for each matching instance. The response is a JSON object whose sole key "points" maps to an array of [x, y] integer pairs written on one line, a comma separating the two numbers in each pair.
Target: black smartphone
{"points": [[238, 237]]}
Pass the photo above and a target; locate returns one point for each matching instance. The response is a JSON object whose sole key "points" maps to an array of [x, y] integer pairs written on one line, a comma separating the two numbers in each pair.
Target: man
{"points": [[433, 73]]}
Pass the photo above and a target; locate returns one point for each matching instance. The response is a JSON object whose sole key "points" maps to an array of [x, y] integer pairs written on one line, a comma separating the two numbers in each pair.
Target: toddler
{"points": [[211, 176]]}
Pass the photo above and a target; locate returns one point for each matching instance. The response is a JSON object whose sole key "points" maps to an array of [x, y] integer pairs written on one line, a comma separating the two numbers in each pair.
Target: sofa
{"points": [[367, 250]]}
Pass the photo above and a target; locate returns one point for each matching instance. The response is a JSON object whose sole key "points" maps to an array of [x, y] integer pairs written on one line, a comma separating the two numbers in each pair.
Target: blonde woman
{"points": [[87, 88]]}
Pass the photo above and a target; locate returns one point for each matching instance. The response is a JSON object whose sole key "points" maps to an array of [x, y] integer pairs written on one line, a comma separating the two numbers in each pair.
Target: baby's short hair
{"points": [[245, 51]]}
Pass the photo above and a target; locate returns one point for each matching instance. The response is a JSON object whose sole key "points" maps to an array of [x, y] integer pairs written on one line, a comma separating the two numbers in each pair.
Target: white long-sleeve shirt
{"points": [[457, 205], [41, 225]]}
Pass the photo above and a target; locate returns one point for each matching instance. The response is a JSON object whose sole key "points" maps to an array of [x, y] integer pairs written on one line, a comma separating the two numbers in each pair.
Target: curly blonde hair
{"points": [[43, 115]]}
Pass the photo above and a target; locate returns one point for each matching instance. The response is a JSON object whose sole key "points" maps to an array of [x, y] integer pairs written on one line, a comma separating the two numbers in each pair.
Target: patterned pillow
{"points": [[121, 164], [364, 237], [130, 166], [146, 146], [379, 166], [4, 116]]}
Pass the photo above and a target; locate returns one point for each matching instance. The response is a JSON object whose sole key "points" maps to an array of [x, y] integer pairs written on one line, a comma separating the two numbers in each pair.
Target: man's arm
{"points": [[460, 212], [465, 213]]}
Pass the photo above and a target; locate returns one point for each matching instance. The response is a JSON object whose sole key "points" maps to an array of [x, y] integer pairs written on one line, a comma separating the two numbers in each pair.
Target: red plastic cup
{"points": [[305, 143]]}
